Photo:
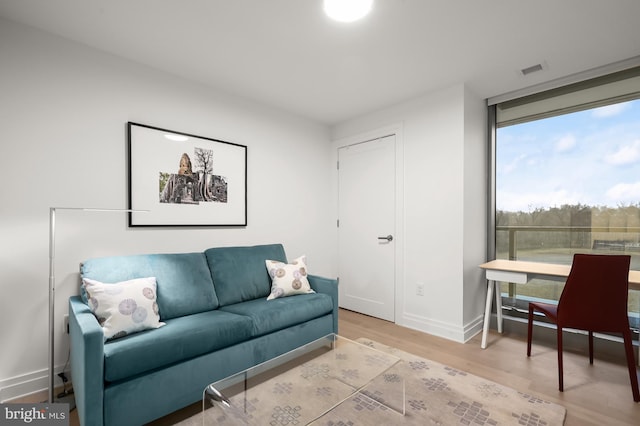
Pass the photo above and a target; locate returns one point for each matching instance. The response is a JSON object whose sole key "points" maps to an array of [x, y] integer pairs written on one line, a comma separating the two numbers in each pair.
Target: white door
{"points": [[366, 227]]}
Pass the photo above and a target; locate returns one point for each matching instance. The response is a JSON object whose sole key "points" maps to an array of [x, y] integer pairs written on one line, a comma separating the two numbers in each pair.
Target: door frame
{"points": [[398, 238]]}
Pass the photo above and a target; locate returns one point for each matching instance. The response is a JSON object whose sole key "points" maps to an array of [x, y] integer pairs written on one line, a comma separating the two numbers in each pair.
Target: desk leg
{"points": [[487, 313], [496, 286]]}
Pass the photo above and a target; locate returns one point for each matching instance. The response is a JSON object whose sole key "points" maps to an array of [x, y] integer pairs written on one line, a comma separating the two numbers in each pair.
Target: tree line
{"points": [[583, 226]]}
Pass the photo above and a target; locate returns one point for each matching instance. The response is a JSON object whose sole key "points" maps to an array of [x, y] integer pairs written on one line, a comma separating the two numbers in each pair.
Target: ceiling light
{"points": [[347, 10]]}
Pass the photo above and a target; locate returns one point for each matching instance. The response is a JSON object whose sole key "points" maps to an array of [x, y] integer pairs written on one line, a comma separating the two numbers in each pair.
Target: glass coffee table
{"points": [[306, 385]]}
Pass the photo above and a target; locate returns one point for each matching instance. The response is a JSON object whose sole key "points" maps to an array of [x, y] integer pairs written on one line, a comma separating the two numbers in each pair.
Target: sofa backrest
{"points": [[184, 283], [240, 273]]}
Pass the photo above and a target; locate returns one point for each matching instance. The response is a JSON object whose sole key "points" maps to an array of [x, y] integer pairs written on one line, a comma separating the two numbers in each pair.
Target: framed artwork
{"points": [[185, 180]]}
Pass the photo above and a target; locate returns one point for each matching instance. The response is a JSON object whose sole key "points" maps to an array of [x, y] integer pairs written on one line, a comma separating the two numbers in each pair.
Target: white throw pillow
{"points": [[288, 279], [124, 308]]}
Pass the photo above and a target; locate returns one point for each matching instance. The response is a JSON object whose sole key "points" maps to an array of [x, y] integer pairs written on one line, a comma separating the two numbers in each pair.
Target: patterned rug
{"points": [[435, 394]]}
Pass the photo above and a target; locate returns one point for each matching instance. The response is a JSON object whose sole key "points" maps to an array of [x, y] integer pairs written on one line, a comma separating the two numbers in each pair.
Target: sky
{"points": [[589, 157]]}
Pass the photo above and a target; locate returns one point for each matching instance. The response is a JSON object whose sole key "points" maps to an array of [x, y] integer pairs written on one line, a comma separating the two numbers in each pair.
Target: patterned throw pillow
{"points": [[124, 308], [288, 279]]}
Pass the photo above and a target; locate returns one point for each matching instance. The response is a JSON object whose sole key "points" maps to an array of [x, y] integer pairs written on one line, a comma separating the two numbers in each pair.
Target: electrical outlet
{"points": [[65, 324], [420, 289]]}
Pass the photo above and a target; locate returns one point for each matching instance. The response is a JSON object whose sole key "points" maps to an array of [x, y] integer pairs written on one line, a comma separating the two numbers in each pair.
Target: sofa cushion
{"points": [[239, 273], [183, 279], [273, 315], [179, 340]]}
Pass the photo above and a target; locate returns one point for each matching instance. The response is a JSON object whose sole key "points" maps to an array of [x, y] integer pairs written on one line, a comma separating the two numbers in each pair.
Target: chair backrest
{"points": [[595, 294]]}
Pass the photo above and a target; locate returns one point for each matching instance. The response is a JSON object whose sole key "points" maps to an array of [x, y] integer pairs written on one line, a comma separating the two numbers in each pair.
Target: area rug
{"points": [[435, 394]]}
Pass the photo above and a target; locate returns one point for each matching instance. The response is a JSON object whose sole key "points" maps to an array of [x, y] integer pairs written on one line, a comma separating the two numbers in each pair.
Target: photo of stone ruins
{"points": [[193, 184]]}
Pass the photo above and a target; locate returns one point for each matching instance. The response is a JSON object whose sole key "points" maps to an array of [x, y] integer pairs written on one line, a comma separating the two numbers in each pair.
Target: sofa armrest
{"points": [[327, 286], [87, 362]]}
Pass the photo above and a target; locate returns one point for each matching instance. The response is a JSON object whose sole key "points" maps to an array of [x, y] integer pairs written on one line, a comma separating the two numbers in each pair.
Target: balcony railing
{"points": [[513, 232], [557, 244]]}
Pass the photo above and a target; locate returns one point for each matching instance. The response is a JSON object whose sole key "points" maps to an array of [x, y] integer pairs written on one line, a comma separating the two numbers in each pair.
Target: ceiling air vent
{"points": [[531, 69]]}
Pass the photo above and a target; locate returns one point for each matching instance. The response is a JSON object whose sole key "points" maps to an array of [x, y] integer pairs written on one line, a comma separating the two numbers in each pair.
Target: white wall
{"points": [[63, 110], [444, 219], [476, 170]]}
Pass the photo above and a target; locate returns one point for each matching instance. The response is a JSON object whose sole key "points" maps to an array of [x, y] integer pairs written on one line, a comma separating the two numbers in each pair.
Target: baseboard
{"points": [[457, 333], [25, 385], [474, 327]]}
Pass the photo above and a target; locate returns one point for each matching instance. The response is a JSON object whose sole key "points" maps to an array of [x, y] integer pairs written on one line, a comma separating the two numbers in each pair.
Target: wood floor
{"points": [[595, 395]]}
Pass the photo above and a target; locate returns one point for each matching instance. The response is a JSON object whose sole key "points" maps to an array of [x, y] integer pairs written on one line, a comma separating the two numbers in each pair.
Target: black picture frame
{"points": [[181, 179]]}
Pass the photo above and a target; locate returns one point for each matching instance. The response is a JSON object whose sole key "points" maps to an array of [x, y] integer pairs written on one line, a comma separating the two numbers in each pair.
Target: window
{"points": [[567, 179]]}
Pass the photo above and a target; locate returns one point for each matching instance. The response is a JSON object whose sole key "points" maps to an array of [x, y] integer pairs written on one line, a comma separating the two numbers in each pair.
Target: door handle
{"points": [[388, 238]]}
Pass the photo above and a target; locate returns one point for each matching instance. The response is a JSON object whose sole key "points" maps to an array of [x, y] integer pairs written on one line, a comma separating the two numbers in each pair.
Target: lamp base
{"points": [[67, 399]]}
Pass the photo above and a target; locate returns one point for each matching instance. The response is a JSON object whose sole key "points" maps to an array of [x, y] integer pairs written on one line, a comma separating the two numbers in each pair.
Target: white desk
{"points": [[521, 272]]}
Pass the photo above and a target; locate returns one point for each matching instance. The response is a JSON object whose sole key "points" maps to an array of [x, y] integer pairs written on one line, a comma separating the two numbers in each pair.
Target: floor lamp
{"points": [[52, 280]]}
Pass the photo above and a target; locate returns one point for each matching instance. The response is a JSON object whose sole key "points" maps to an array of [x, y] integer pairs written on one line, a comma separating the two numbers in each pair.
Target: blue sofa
{"points": [[218, 322]]}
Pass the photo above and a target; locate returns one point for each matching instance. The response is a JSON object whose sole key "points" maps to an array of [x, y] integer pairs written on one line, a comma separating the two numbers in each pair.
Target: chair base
{"points": [[550, 311]]}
